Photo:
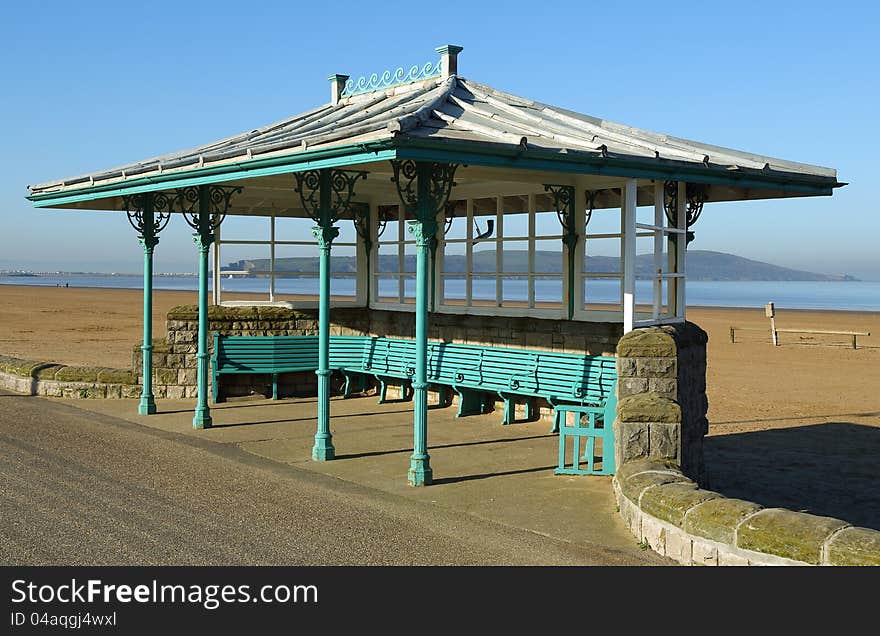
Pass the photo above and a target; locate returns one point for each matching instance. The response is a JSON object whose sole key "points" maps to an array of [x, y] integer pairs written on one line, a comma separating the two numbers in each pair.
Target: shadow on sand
{"points": [[828, 469]]}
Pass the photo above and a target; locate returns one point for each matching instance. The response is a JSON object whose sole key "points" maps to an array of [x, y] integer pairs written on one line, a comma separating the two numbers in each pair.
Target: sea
{"points": [[829, 295]]}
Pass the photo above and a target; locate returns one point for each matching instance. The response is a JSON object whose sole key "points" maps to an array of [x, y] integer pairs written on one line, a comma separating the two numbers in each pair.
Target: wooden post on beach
{"points": [[770, 312]]}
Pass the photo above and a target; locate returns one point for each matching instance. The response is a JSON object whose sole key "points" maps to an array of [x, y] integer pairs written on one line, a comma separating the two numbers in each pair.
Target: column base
{"points": [[202, 418], [147, 405], [323, 450], [420, 473]]}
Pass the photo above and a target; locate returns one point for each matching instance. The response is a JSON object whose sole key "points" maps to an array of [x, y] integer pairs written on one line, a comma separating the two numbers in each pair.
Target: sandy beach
{"points": [[795, 426]]}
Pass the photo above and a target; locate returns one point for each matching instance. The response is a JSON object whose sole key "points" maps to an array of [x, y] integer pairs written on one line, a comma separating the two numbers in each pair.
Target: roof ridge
{"points": [[426, 110]]}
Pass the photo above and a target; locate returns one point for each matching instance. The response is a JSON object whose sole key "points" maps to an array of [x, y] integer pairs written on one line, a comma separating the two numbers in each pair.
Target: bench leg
{"points": [[274, 386], [531, 410], [215, 389], [469, 402], [509, 411], [383, 389], [558, 416]]}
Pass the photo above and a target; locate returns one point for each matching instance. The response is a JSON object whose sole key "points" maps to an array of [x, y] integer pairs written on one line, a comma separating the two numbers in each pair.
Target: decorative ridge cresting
{"points": [[389, 79]]}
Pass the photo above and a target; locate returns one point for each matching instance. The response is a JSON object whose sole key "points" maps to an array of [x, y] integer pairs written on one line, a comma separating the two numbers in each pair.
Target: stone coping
{"points": [[693, 526], [51, 379]]}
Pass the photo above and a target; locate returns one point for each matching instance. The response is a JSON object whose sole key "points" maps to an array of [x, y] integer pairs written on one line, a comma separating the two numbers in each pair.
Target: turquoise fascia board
{"points": [[253, 168], [473, 154]]}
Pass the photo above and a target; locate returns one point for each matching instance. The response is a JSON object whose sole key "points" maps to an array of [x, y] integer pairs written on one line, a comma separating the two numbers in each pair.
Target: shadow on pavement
{"points": [[826, 469]]}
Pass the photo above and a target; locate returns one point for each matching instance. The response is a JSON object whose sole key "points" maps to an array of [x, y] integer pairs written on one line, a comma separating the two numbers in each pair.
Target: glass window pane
{"points": [[547, 224], [602, 255], [484, 257], [293, 229], [602, 294], [388, 289], [548, 292], [548, 256], [483, 290], [240, 272], [515, 257], [245, 228], [388, 261], [454, 290], [515, 291], [605, 221]]}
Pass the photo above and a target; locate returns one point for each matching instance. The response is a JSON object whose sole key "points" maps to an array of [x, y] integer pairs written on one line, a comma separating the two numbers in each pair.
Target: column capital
{"points": [[148, 243], [325, 235], [423, 231], [203, 241]]}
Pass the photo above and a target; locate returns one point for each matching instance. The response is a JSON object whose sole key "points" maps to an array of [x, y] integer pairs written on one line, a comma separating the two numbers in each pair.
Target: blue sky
{"points": [[91, 85]]}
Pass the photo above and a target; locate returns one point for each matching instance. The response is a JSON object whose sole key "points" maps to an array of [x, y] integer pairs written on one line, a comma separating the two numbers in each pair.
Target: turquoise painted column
{"points": [[148, 214], [424, 189], [420, 473], [204, 208], [148, 240], [203, 238], [323, 449], [325, 195]]}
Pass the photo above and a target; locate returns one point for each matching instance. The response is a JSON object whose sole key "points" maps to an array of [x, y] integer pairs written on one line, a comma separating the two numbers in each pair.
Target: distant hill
{"points": [[701, 265]]}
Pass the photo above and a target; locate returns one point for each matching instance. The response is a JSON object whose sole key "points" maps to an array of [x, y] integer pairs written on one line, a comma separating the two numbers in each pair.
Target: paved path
{"points": [[81, 488]]}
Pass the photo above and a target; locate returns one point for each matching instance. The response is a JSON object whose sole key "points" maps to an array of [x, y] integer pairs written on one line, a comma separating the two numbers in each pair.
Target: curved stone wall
{"points": [[678, 519], [59, 380]]}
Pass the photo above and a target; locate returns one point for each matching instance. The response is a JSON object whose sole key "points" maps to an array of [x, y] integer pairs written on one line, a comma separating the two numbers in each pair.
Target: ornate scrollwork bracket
{"points": [[592, 195], [563, 203], [326, 194], [204, 208], [148, 213], [361, 219], [423, 188], [696, 195]]}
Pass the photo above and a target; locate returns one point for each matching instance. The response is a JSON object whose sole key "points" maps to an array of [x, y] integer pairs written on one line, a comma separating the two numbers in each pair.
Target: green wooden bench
{"points": [[269, 355], [582, 385], [588, 423]]}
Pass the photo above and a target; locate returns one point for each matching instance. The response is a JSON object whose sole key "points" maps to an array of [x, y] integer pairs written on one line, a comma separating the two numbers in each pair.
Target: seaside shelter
{"points": [[463, 204]]}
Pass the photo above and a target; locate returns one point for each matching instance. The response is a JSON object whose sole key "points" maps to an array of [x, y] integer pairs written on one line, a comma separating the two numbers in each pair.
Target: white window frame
{"points": [[499, 238], [272, 242]]}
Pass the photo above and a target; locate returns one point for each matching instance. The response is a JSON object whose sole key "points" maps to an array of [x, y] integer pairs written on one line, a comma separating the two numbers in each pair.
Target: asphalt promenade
{"points": [[88, 482]]}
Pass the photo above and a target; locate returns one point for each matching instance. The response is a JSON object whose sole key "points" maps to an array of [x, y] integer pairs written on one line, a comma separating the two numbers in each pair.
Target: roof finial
{"points": [[448, 59], [337, 85]]}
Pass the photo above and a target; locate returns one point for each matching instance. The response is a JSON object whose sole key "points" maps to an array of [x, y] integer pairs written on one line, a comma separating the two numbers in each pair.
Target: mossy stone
{"points": [[634, 486], [670, 502], [116, 376], [717, 519], [25, 368], [855, 546], [793, 535], [641, 465], [651, 342], [165, 376], [648, 407], [47, 372], [78, 374]]}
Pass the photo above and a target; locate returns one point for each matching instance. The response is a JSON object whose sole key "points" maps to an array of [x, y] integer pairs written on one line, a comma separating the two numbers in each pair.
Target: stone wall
{"points": [[674, 517], [660, 425], [49, 379], [662, 404], [174, 361]]}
